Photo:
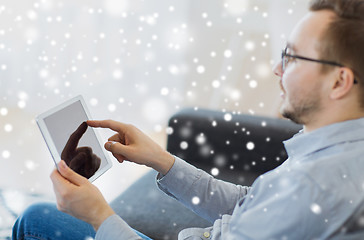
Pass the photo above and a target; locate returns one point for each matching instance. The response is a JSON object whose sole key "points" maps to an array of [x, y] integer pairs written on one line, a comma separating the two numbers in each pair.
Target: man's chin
{"points": [[288, 114], [291, 116], [283, 111]]}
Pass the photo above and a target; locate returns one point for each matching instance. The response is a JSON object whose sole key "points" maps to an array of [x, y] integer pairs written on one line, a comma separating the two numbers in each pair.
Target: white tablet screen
{"points": [[75, 142]]}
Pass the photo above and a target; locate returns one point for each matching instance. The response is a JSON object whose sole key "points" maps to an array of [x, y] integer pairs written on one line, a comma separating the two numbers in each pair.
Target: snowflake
{"points": [[169, 130], [6, 154], [195, 200], [4, 111], [250, 146], [228, 117], [315, 208], [215, 171], [200, 69], [184, 145], [8, 127], [228, 53], [201, 139]]}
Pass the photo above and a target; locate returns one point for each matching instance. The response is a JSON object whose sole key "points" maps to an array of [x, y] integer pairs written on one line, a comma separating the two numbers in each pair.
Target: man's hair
{"points": [[343, 40]]}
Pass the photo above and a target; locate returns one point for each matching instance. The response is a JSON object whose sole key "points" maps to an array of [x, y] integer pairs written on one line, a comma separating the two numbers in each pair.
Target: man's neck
{"points": [[331, 118]]}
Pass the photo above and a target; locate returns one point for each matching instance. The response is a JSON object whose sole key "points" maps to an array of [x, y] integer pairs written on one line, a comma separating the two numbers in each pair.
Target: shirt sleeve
{"points": [[114, 228], [289, 207], [208, 197]]}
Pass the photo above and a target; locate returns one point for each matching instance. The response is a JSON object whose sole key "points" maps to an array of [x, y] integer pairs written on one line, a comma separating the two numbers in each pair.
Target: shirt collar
{"points": [[306, 143]]}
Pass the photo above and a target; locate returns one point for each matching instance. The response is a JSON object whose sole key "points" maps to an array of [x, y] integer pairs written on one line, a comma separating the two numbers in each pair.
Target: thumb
{"points": [[116, 148], [71, 175]]}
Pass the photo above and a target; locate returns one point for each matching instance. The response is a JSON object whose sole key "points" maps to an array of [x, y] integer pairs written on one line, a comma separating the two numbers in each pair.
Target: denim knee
{"points": [[31, 221], [44, 221]]}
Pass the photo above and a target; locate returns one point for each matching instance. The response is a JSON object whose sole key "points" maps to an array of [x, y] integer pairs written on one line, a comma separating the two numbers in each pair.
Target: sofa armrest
{"points": [[241, 148]]}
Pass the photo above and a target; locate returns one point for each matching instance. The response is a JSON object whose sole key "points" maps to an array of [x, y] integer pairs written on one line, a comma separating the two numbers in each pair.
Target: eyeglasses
{"points": [[288, 58]]}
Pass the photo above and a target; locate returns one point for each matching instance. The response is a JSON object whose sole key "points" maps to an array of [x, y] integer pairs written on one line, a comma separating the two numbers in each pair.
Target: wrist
{"points": [[164, 163], [100, 218]]}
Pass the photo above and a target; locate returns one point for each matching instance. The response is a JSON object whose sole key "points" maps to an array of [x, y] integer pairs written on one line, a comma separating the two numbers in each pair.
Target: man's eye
{"points": [[289, 59]]}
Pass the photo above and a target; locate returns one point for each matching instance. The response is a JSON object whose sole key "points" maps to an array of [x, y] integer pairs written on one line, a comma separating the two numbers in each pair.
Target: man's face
{"points": [[302, 83]]}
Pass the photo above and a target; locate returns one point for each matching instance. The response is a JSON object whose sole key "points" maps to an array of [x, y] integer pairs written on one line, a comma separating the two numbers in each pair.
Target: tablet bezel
{"points": [[50, 143]]}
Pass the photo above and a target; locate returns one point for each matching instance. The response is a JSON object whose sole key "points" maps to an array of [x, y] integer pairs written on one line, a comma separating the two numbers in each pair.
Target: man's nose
{"points": [[277, 69]]}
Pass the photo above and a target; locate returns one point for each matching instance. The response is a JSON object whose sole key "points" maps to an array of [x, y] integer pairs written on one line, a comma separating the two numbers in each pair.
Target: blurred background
{"points": [[133, 61]]}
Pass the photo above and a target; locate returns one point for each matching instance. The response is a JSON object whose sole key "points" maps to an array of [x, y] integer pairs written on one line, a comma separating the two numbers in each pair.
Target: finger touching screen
{"points": [[69, 138]]}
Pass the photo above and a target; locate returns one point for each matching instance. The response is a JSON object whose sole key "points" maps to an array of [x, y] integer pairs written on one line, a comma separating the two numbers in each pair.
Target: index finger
{"points": [[111, 124], [75, 137]]}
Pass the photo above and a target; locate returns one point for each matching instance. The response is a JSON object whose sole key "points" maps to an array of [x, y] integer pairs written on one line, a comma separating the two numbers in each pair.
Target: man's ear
{"points": [[343, 83]]}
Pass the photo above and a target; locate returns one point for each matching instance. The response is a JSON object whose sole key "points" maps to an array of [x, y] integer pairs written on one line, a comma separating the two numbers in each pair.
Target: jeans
{"points": [[43, 221]]}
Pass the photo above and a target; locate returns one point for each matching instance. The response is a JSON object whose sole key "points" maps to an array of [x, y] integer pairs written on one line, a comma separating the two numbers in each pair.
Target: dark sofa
{"points": [[237, 150]]}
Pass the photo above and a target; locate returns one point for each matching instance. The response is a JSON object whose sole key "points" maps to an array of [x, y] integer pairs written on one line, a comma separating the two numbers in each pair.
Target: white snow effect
{"points": [[236, 7], [249, 45], [8, 127], [164, 91], [4, 111], [195, 200], [111, 107], [43, 73], [250, 146], [228, 117], [315, 208], [94, 102], [228, 53], [214, 171], [216, 84], [205, 150], [220, 160], [173, 69], [21, 104], [158, 128], [165, 50], [5, 154], [253, 83], [30, 165], [115, 7], [185, 132], [200, 69], [117, 74], [169, 130], [184, 145], [201, 139], [235, 94]]}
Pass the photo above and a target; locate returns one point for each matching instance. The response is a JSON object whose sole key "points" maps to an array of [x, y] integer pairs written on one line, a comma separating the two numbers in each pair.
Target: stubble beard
{"points": [[301, 112]]}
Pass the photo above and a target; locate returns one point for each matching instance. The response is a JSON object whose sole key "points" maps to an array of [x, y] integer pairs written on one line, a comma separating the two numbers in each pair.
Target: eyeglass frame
{"points": [[284, 54]]}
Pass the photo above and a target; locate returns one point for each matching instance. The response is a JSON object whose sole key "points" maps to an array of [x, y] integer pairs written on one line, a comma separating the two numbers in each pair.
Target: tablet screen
{"points": [[75, 142]]}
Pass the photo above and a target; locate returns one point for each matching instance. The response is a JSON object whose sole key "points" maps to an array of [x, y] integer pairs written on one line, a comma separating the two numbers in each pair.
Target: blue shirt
{"points": [[310, 196]]}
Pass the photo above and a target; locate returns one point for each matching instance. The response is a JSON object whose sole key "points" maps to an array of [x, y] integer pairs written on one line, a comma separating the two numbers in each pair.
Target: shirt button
{"points": [[206, 234]]}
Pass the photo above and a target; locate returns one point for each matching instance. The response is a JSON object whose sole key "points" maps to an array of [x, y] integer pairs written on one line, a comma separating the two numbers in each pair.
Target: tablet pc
{"points": [[69, 138]]}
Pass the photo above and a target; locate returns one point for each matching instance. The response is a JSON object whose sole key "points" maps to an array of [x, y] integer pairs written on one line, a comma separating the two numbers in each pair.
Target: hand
{"points": [[78, 197], [82, 160], [129, 143]]}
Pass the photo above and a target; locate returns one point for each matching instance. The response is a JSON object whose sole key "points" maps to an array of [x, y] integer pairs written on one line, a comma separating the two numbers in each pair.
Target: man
{"points": [[312, 195]]}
